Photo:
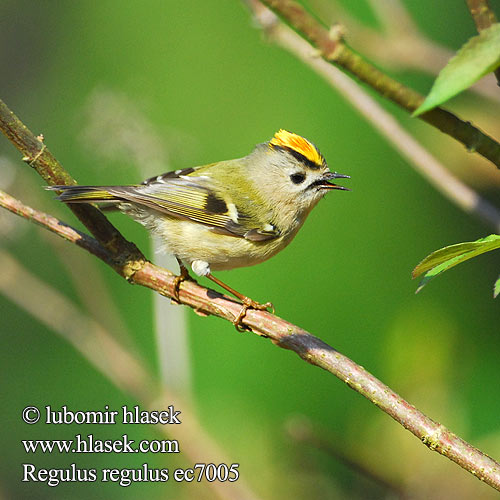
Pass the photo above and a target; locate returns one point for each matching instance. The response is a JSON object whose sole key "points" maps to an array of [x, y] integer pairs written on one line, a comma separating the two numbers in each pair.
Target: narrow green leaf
{"points": [[445, 258], [478, 57], [441, 268], [496, 288], [444, 254]]}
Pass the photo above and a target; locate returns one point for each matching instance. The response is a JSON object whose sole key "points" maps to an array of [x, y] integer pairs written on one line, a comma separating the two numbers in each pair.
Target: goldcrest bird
{"points": [[227, 214]]}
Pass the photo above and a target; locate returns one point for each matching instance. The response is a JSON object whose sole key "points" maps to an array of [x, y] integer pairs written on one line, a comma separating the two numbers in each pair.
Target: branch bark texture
{"points": [[332, 48], [282, 333], [481, 13]]}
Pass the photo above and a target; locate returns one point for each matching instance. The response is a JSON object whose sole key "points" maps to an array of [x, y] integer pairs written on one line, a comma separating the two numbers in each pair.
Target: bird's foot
{"points": [[248, 303], [183, 276]]}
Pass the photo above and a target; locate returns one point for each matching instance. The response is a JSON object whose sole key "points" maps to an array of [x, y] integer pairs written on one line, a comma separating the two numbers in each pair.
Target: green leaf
{"points": [[447, 253], [478, 57], [445, 258], [496, 288]]}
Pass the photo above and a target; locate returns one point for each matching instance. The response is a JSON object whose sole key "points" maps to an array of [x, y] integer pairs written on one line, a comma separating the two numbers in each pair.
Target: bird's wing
{"points": [[188, 195]]}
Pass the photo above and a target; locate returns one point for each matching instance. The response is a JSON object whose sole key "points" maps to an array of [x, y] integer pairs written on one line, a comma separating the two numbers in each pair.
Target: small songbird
{"points": [[227, 214]]}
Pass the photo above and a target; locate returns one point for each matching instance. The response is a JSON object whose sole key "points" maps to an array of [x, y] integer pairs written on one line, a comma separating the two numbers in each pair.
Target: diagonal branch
{"points": [[331, 47], [126, 255], [288, 336], [310, 348], [400, 44]]}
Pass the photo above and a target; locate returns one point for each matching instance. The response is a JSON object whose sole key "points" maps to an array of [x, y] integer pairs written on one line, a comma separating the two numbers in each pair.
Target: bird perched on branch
{"points": [[227, 214]]}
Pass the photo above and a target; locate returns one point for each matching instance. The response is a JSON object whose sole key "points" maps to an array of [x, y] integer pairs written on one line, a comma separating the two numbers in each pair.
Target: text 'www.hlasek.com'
{"points": [[89, 443]]}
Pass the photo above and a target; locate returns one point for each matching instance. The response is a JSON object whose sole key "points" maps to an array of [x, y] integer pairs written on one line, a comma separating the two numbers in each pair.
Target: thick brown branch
{"points": [[308, 347], [335, 51], [127, 256], [484, 17]]}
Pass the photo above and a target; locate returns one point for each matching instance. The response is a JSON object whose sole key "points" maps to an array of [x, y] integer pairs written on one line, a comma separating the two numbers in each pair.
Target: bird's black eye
{"points": [[297, 178]]}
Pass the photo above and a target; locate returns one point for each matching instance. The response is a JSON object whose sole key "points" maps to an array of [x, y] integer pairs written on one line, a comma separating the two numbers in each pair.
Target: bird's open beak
{"points": [[325, 183]]}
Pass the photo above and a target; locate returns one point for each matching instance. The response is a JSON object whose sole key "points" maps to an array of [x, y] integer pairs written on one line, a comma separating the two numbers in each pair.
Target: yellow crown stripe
{"points": [[302, 146]]}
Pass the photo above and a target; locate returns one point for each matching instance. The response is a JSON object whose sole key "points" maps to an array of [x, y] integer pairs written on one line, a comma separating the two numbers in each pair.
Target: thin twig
{"points": [[331, 47], [315, 351], [484, 17], [421, 159]]}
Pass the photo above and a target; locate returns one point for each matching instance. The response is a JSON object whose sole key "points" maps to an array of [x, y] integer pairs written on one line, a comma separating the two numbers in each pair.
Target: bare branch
{"points": [[315, 351], [331, 47]]}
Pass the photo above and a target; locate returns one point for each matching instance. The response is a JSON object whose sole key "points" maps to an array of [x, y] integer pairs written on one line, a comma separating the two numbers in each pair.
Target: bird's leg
{"points": [[248, 303], [183, 276]]}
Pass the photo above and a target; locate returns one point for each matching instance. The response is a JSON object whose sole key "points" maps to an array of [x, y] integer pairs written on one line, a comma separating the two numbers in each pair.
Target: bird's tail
{"points": [[87, 194]]}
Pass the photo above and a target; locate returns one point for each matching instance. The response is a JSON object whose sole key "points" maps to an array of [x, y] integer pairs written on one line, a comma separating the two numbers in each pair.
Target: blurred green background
{"points": [[125, 90]]}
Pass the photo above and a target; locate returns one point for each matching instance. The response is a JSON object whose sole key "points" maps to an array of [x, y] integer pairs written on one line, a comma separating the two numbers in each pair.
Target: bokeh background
{"points": [[125, 90]]}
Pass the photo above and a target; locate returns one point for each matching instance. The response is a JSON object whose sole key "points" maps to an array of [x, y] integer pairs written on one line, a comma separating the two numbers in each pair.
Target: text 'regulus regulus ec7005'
{"points": [[227, 214]]}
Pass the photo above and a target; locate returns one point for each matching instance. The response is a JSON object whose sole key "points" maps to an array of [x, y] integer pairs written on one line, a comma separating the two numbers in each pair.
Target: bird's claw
{"points": [[177, 284], [250, 304]]}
